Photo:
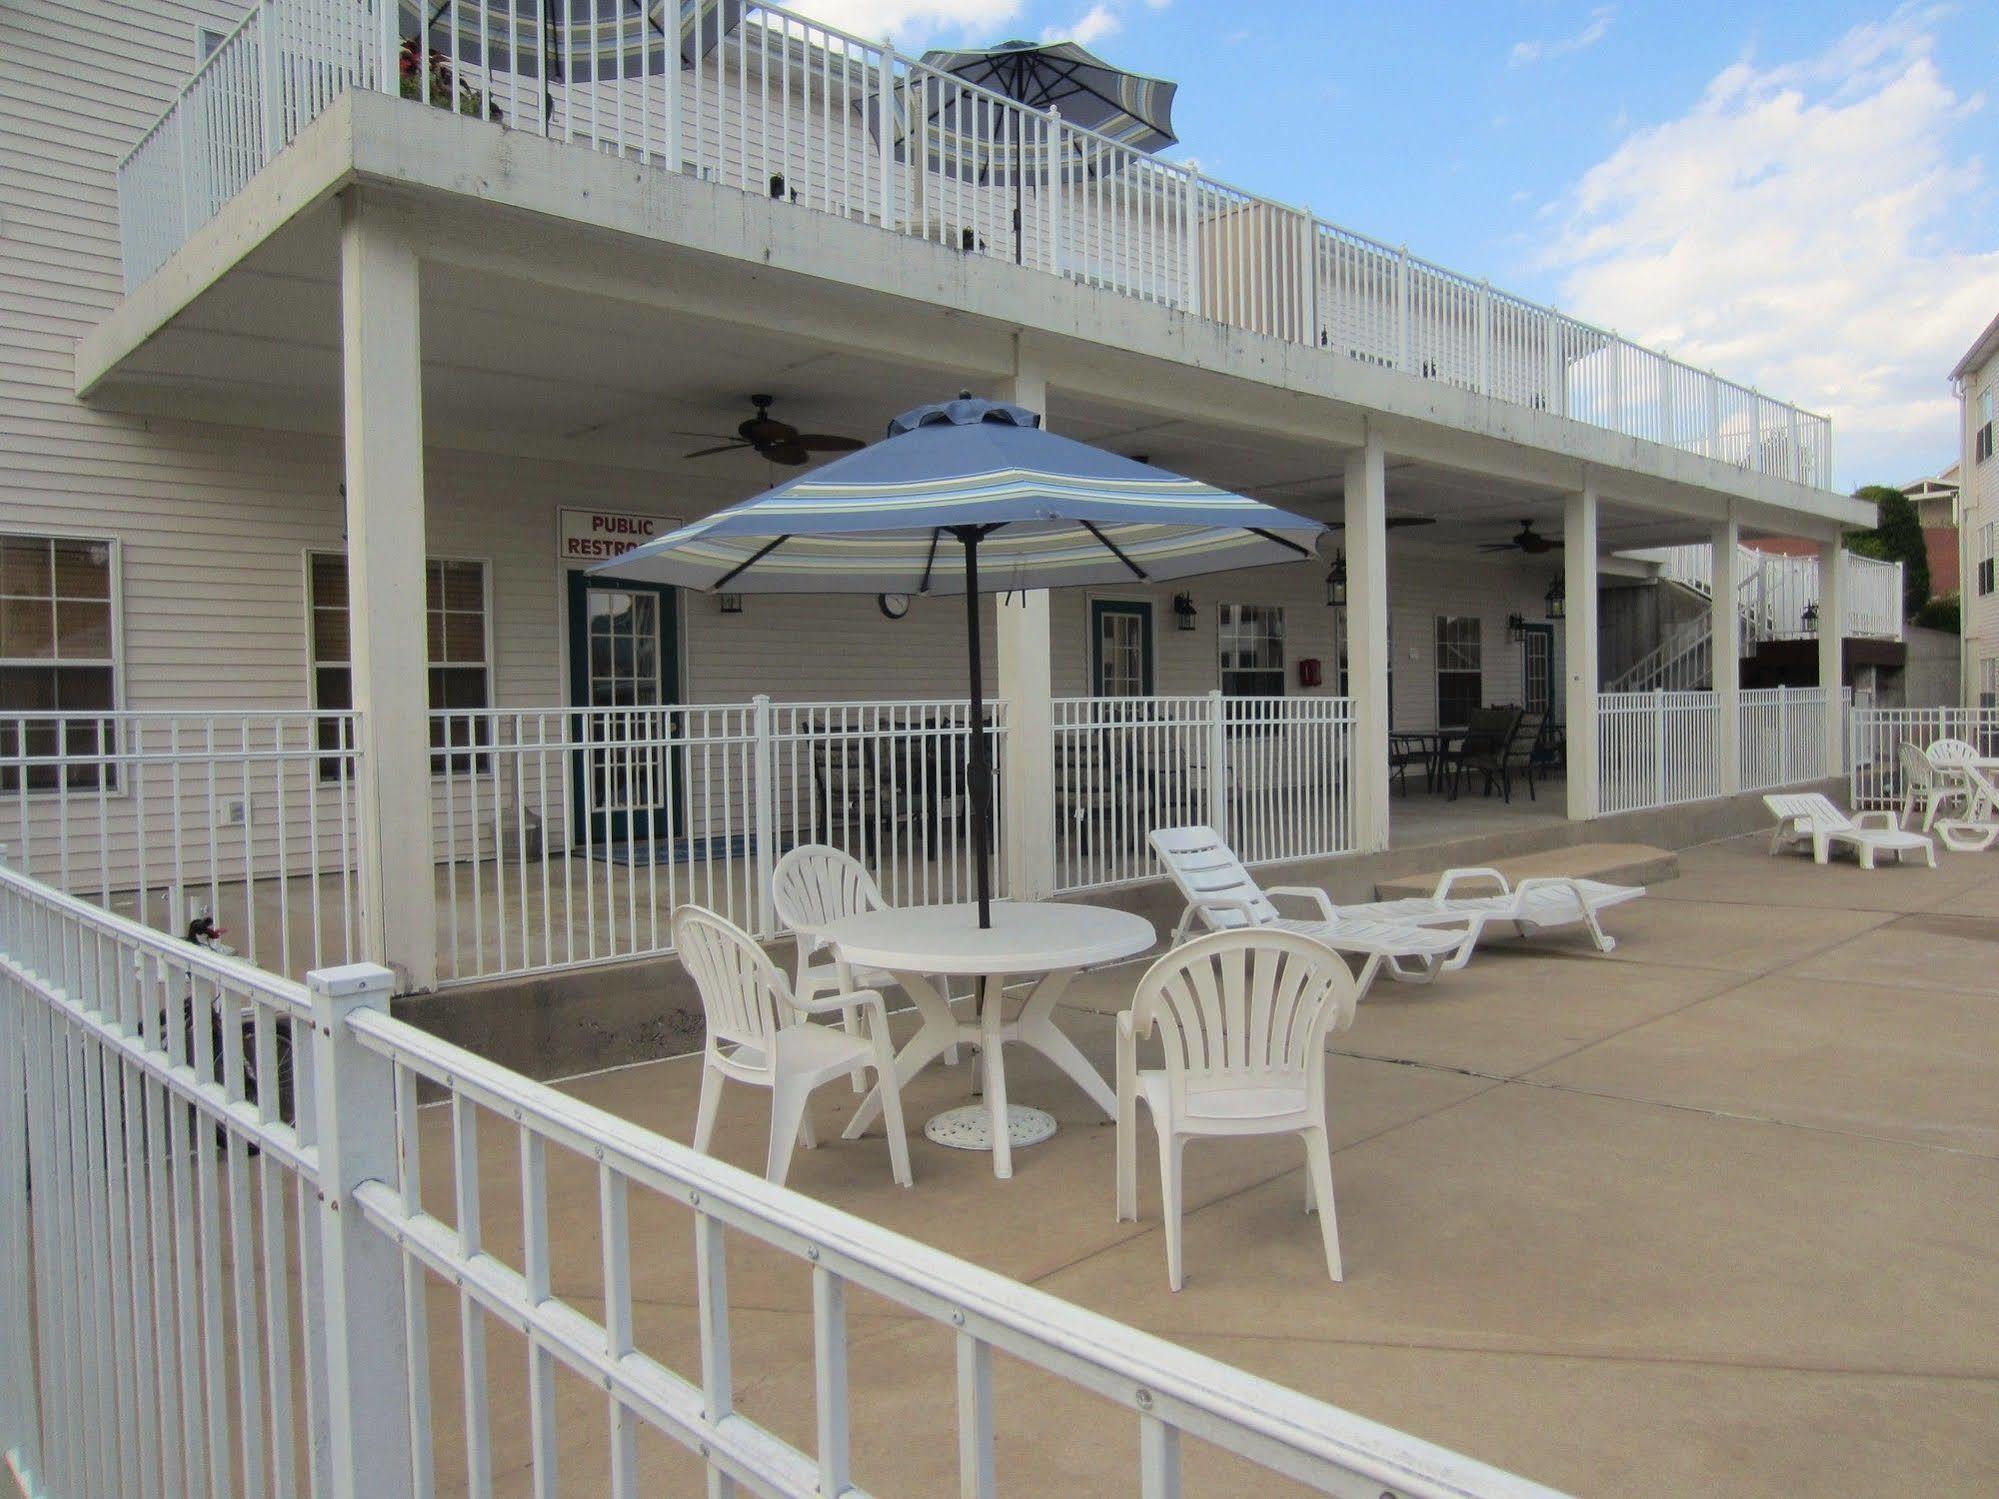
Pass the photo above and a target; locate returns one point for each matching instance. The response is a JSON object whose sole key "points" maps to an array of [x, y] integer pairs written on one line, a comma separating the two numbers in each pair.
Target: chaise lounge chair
{"points": [[1539, 902], [1223, 895], [1978, 829], [1807, 817]]}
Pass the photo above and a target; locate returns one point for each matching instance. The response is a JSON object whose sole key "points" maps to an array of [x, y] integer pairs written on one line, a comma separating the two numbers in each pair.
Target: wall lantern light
{"points": [[729, 603], [1183, 611], [1558, 599], [1336, 581]]}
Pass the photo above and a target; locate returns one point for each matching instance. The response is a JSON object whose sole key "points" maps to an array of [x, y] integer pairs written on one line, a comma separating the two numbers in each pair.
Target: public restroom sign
{"points": [[598, 535]]}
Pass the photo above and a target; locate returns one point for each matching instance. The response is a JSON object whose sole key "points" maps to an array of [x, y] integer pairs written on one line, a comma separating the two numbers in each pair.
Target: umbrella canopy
{"points": [[1131, 109], [579, 41], [962, 497]]}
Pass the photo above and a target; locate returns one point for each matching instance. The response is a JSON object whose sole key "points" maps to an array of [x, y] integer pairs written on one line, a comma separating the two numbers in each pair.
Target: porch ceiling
{"points": [[555, 371]]}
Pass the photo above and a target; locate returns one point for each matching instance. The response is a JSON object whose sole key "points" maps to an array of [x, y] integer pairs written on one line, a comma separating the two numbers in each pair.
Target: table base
{"points": [[970, 1127]]}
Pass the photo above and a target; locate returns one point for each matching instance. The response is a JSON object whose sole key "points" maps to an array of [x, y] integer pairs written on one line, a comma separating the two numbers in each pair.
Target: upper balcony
{"points": [[757, 98]]}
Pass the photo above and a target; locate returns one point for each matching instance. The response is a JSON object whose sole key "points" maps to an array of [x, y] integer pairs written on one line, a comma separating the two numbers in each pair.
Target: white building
{"points": [[1976, 379], [299, 373]]}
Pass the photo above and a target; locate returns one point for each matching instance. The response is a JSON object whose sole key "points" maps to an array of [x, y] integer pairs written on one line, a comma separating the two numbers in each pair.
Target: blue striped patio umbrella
{"points": [[965, 497]]}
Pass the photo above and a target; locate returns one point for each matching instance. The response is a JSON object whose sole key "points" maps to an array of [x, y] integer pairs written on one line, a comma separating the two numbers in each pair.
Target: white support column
{"points": [[385, 590], [1366, 542], [1027, 684], [1832, 631], [1725, 652], [1579, 647]]}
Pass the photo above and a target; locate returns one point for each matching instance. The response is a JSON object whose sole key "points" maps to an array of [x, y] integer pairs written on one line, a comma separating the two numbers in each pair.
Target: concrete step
{"points": [[1613, 863]]}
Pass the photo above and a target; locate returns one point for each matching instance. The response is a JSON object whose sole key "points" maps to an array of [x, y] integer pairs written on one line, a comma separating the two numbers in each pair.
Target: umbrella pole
{"points": [[982, 773]]}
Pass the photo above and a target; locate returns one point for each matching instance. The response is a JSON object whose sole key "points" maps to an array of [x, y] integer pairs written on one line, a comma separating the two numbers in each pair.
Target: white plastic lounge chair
{"points": [[1539, 902], [1221, 893], [1807, 817], [1929, 785], [813, 886], [761, 1033], [1978, 829], [1242, 1017]]}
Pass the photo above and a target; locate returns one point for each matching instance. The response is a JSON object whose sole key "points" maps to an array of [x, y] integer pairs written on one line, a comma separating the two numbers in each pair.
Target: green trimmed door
{"points": [[623, 654], [1120, 648]]}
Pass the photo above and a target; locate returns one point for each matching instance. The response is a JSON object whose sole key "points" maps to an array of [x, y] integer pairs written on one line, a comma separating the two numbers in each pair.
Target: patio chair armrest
{"points": [[1312, 893], [1207, 904], [1882, 821], [1453, 877], [834, 1004]]}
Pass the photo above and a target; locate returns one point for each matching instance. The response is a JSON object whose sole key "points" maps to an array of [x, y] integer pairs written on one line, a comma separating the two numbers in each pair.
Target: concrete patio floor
{"points": [[1713, 1213]]}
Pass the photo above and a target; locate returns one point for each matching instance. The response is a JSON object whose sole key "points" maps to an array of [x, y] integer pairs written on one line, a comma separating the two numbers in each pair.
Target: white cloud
{"points": [[1097, 22], [912, 19], [1543, 50], [1794, 229]]}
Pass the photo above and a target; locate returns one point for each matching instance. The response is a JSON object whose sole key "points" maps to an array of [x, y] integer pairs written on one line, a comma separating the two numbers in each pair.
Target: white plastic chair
{"points": [[1978, 828], [1807, 817], [1928, 784], [1538, 903], [761, 1033], [1242, 1018], [813, 886], [1222, 894]]}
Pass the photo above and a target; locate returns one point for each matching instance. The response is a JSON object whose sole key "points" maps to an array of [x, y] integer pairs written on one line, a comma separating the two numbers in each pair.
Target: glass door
{"points": [[623, 674], [1120, 648]]}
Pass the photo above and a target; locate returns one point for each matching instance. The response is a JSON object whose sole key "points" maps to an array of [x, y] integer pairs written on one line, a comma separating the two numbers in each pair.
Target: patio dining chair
{"points": [[1808, 818], [813, 886], [1222, 895], [762, 1033], [1242, 1018], [1929, 786], [1483, 750]]}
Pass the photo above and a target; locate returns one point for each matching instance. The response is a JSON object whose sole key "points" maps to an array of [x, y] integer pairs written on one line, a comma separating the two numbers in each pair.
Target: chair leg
{"points": [[1170, 1150], [1127, 1159], [898, 1137], [850, 1020], [787, 1125], [944, 988], [710, 1106], [1319, 1177]]}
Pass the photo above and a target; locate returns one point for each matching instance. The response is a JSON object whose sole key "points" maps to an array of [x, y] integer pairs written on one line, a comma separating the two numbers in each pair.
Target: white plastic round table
{"points": [[1026, 938]]}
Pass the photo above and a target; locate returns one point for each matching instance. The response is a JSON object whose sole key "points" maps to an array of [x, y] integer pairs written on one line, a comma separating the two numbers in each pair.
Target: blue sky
{"points": [[1803, 195]]}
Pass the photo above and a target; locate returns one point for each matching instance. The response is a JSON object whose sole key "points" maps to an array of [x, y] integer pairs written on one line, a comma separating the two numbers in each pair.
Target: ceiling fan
{"points": [[1392, 523], [1527, 540], [780, 442]]}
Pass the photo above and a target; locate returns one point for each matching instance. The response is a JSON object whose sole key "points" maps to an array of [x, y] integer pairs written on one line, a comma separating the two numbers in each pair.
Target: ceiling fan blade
{"points": [[826, 442], [727, 447], [765, 430], [791, 454], [1499, 546]]}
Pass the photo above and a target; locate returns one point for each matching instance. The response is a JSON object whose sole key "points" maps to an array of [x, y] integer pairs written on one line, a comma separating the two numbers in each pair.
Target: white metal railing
{"points": [[569, 836], [1275, 774], [782, 106], [1781, 740], [1656, 749], [1875, 737], [248, 819], [224, 1282]]}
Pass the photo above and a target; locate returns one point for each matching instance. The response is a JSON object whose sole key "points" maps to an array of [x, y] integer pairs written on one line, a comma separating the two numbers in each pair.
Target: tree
{"points": [[1897, 537]]}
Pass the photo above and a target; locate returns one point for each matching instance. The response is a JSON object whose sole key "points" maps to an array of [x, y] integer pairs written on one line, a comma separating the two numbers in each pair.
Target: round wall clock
{"points": [[892, 605]]}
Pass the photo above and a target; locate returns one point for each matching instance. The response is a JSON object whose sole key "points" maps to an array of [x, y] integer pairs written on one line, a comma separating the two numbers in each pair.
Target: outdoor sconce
{"points": [[1336, 581], [1558, 599], [729, 603], [1183, 611], [1812, 616], [1516, 628]]}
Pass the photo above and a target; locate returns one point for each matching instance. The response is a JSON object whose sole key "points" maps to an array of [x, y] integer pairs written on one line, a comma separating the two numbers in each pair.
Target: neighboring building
{"points": [[1935, 500], [1976, 380], [298, 375]]}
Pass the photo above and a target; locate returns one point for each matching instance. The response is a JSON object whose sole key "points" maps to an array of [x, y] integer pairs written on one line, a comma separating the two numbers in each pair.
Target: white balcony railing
{"points": [[1775, 589], [785, 107], [236, 1239]]}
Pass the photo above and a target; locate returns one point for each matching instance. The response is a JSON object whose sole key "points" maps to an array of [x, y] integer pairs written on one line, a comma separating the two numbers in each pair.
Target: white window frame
{"points": [[1438, 668], [115, 564], [313, 664], [1988, 546], [1222, 635]]}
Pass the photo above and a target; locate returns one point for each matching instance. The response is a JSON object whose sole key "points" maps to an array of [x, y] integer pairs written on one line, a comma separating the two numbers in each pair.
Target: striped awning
{"points": [[576, 41], [1049, 512]]}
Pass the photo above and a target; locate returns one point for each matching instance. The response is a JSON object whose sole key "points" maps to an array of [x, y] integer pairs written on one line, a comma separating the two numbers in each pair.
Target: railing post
{"points": [[1666, 398], [1051, 199], [364, 1332], [388, 48], [1658, 746], [267, 80], [1761, 459], [1784, 775], [1617, 422], [1193, 250], [671, 70], [1402, 309], [1218, 764], [1713, 414], [1795, 463], [1485, 338], [20, 1412], [764, 828], [886, 144]]}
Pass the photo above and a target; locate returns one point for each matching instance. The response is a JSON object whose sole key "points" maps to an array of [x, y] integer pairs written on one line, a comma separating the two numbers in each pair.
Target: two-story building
{"points": [[1976, 379], [340, 339]]}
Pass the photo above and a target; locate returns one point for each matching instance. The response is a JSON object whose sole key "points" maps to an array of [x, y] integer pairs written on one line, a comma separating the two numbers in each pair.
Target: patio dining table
{"points": [[1047, 941]]}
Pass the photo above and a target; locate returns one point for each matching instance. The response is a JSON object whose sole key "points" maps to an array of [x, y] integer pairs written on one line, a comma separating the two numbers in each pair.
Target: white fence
{"points": [[1655, 749], [781, 106], [568, 836], [1274, 774], [1875, 737], [1782, 739], [248, 819], [216, 1276]]}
